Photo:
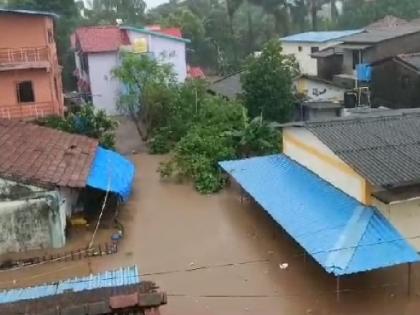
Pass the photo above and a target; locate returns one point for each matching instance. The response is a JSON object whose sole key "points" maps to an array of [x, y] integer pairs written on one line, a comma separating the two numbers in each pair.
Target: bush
{"points": [[89, 122]]}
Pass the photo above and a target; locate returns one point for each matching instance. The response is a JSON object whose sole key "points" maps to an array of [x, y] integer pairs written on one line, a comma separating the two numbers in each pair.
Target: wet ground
{"points": [[214, 255]]}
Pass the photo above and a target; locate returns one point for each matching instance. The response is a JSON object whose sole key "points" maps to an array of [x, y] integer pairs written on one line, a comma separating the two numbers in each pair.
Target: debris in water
{"points": [[283, 266]]}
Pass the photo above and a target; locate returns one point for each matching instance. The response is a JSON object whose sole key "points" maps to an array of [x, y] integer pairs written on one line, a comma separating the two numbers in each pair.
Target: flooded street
{"points": [[214, 255]]}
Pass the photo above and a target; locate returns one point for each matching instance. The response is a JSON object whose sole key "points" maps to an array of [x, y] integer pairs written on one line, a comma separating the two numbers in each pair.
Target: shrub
{"points": [[89, 122]]}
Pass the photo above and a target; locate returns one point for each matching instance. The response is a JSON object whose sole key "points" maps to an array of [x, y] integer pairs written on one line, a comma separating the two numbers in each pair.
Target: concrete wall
{"points": [[33, 218], [22, 31], [104, 87], [167, 50], [307, 64], [319, 91], [26, 31], [386, 49], [44, 98], [394, 85], [305, 148], [405, 216]]}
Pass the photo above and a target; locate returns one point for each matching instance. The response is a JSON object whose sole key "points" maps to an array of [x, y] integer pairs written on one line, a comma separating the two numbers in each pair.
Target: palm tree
{"points": [[279, 10], [232, 6]]}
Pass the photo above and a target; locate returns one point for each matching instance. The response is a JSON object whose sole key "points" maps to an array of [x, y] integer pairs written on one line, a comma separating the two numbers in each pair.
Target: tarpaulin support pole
{"points": [[242, 195], [409, 280], [337, 289]]}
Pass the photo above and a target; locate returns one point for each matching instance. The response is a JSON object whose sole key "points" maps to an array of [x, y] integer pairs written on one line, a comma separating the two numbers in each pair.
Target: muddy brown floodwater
{"points": [[215, 256]]}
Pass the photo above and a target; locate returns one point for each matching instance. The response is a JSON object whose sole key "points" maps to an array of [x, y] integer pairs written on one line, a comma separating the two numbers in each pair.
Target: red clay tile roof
{"points": [[172, 31], [195, 73], [43, 156], [96, 39]]}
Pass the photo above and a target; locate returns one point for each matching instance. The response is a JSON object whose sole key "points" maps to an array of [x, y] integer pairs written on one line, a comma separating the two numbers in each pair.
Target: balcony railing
{"points": [[23, 55]]}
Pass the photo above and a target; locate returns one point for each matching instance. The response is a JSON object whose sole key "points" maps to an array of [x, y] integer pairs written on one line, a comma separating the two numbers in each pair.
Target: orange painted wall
{"points": [[22, 31], [26, 31], [9, 106]]}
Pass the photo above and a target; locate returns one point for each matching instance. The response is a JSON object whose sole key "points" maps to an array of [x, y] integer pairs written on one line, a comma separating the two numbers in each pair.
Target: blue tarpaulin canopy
{"points": [[340, 233], [111, 171]]}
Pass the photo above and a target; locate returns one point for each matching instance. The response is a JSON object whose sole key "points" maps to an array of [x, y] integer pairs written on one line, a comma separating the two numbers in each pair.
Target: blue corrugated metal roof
{"points": [[112, 171], [30, 12], [343, 235], [115, 278], [319, 37]]}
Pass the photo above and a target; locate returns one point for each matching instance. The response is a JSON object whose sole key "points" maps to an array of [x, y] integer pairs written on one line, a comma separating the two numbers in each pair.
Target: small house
{"points": [[43, 176], [352, 187], [98, 50]]}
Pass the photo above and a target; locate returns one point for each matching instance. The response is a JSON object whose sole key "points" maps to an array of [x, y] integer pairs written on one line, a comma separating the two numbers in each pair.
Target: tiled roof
{"points": [[99, 38], [410, 59], [43, 156], [171, 31], [377, 35], [229, 87], [384, 147], [196, 73], [340, 233]]}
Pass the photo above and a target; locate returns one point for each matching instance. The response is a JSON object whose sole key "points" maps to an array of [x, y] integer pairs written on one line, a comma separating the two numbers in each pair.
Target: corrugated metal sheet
{"points": [[115, 278], [382, 148], [343, 235], [318, 37], [29, 12], [111, 171]]}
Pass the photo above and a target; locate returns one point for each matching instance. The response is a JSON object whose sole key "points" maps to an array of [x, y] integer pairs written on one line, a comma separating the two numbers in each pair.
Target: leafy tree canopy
{"points": [[267, 84]]}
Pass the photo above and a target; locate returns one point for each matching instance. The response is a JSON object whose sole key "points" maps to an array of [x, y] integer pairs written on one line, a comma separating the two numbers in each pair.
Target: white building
{"points": [[97, 54], [304, 44]]}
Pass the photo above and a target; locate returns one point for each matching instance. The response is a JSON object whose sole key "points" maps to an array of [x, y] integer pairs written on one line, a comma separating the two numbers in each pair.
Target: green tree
{"points": [[66, 24], [87, 121], [359, 13], [267, 84], [148, 87], [130, 12]]}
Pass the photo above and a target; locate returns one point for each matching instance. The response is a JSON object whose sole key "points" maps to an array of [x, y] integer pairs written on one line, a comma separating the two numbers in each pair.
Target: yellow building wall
{"points": [[306, 149], [405, 216]]}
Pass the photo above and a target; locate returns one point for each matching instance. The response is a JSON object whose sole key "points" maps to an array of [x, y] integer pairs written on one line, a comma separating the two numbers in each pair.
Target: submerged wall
{"points": [[30, 217]]}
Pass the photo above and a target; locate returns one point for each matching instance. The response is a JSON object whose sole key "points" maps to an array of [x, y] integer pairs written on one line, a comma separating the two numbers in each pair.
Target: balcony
{"points": [[24, 58]]}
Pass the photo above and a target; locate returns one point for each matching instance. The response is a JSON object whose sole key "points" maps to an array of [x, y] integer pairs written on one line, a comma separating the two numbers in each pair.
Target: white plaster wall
{"points": [[308, 65], [405, 216], [306, 149], [166, 50], [104, 86], [319, 91]]}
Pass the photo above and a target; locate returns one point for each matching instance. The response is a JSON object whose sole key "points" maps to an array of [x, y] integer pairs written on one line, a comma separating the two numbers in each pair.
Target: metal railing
{"points": [[23, 55]]}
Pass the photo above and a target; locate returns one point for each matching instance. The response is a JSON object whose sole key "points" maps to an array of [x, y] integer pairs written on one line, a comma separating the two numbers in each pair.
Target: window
{"points": [[314, 49], [405, 82], [300, 48], [50, 36], [357, 58], [25, 92]]}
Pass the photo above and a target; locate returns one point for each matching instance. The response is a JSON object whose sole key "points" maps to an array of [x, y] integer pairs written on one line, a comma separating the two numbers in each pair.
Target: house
{"points": [[396, 82], [314, 88], [98, 51], [118, 291], [351, 185], [376, 44], [303, 45], [30, 76], [43, 173], [229, 87]]}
